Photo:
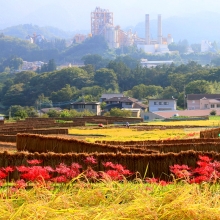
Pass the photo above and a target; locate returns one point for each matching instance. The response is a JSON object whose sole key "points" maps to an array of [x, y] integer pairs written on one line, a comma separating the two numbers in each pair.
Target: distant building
{"points": [[206, 46], [148, 63], [162, 105], [32, 66], [94, 107], [46, 110], [203, 101], [110, 95], [124, 103]]}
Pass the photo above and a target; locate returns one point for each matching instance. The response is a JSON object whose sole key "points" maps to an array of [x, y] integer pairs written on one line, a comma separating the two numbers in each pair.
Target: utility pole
{"points": [[184, 97], [40, 107], [9, 113]]}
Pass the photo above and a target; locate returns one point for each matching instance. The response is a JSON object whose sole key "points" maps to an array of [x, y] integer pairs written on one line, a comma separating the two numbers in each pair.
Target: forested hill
{"points": [[22, 31], [55, 49], [86, 83]]}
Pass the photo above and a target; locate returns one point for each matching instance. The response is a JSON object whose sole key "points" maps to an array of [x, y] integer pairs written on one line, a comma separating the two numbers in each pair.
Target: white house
{"points": [[162, 105]]}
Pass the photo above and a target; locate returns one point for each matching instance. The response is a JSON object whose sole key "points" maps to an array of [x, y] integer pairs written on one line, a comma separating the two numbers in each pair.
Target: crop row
{"points": [[210, 133], [150, 142], [40, 143]]}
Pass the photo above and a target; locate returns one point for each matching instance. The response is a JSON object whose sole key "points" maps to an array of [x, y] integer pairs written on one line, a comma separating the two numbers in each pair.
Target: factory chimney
{"points": [[159, 30], [147, 29]]}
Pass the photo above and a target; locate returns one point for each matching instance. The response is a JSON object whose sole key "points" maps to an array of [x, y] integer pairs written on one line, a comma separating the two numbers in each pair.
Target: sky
{"points": [[77, 12]]}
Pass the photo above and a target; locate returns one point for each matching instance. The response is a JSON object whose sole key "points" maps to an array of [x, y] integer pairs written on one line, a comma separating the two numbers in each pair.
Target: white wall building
{"points": [[162, 105]]}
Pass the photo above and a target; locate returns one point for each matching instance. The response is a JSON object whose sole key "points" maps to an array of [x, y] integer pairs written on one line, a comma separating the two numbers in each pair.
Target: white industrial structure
{"points": [[102, 24], [155, 46]]}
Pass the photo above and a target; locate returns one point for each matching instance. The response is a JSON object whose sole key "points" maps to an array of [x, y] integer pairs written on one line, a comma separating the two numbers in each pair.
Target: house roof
{"points": [[85, 103], [189, 113], [200, 96], [121, 99], [140, 105], [111, 95], [214, 101]]}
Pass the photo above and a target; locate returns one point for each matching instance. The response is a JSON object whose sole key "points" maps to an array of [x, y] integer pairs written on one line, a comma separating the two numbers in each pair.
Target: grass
{"points": [[113, 200]]}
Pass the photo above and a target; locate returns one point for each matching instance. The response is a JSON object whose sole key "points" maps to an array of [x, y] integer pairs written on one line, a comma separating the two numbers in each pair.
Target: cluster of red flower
{"points": [[63, 173], [206, 171]]}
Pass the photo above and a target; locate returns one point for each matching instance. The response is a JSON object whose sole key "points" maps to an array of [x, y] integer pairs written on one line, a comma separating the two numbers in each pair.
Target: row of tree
{"points": [[60, 87]]}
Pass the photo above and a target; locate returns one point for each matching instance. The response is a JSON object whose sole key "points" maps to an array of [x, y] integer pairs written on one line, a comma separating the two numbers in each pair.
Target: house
{"points": [[124, 103], [135, 112], [46, 110], [110, 95], [162, 105], [94, 107], [203, 101]]}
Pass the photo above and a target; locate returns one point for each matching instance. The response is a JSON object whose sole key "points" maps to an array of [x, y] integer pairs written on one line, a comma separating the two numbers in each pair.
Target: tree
{"points": [[24, 77], [43, 102], [169, 93], [116, 112], [198, 87], [48, 67], [142, 91], [213, 112], [65, 94], [123, 74], [196, 48], [22, 112], [53, 113], [106, 78]]}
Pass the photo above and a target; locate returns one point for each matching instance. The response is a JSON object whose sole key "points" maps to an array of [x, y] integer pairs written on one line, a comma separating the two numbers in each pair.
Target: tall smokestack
{"points": [[147, 29], [159, 30]]}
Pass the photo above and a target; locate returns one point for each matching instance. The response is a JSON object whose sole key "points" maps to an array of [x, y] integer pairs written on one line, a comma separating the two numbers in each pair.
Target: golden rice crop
{"points": [[113, 200], [124, 134]]}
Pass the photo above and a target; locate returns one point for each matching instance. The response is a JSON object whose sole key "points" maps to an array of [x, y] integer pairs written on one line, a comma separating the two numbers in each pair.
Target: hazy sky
{"points": [[126, 12]]}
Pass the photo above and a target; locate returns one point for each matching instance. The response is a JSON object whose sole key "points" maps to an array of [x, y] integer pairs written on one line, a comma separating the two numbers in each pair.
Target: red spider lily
{"points": [[20, 184], [62, 169], [114, 175], [109, 164], [36, 173], [60, 179], [3, 175], [180, 171], [8, 169], [205, 158], [199, 179], [91, 174], [151, 180], [90, 160], [22, 168], [75, 166], [119, 168], [163, 183], [34, 162], [49, 169], [72, 174]]}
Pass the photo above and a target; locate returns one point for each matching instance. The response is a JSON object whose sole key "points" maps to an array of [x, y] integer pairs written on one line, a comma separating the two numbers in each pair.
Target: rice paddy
{"points": [[124, 134]]}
